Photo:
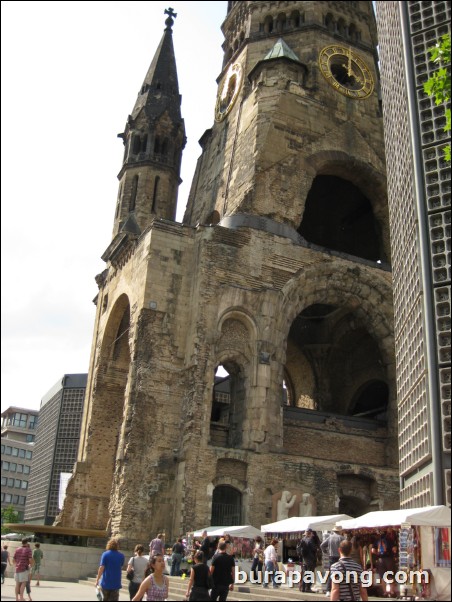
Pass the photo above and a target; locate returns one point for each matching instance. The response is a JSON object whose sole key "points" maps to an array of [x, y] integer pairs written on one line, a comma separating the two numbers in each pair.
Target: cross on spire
{"points": [[171, 16]]}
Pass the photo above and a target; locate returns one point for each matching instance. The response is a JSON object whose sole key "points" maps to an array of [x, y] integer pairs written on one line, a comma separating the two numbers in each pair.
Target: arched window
{"points": [[136, 146], [268, 24], [228, 406], [329, 22], [281, 22], [144, 143], [165, 146], [157, 145], [226, 506], [353, 33], [371, 400], [339, 216], [295, 18], [133, 194], [341, 28]]}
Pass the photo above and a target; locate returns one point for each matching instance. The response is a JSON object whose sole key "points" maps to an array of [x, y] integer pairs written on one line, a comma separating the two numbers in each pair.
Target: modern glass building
{"points": [[419, 202], [56, 446]]}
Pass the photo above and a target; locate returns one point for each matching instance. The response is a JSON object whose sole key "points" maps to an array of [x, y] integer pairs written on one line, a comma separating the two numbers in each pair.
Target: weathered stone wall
{"points": [[182, 300]]}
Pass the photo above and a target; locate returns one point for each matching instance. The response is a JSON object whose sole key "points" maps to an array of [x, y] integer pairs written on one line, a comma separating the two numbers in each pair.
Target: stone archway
{"points": [[89, 492], [226, 506], [356, 494]]}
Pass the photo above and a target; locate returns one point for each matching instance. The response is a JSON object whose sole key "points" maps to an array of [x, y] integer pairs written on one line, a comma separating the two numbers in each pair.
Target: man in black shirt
{"points": [[205, 546], [222, 570]]}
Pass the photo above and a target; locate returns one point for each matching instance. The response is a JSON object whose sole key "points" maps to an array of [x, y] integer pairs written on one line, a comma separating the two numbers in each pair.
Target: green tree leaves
{"points": [[438, 85]]}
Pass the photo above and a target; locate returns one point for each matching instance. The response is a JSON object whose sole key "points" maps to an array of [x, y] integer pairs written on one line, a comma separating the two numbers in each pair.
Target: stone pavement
{"points": [[53, 591], [50, 591]]}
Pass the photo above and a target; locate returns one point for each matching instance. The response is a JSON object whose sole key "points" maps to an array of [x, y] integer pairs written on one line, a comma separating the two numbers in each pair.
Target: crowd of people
{"points": [[27, 565], [147, 580], [214, 581]]}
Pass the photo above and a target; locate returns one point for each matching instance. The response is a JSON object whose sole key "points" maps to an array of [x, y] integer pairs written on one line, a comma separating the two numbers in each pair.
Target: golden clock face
{"points": [[346, 72], [229, 90]]}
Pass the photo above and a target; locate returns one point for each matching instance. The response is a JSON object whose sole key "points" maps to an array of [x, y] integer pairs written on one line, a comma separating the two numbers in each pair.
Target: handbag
{"points": [[131, 574]]}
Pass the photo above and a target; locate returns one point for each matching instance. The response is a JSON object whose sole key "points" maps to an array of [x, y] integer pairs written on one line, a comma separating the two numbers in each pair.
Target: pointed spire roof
{"points": [[281, 50], [160, 89]]}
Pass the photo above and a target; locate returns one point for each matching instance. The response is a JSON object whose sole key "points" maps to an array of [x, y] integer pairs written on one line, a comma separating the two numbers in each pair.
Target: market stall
{"points": [[290, 530], [242, 538], [416, 539]]}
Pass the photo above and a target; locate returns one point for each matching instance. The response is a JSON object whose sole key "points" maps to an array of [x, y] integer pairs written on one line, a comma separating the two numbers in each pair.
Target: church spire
{"points": [[154, 138], [160, 89]]}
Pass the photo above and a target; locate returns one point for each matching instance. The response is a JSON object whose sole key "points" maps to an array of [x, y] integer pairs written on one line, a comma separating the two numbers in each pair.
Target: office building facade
{"points": [[56, 446], [419, 203]]}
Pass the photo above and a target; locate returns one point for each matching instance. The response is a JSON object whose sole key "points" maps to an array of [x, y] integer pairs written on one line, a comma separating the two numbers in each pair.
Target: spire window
{"points": [[154, 196], [157, 146], [133, 195]]}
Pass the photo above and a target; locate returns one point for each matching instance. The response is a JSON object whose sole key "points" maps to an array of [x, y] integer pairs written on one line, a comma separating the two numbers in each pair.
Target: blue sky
{"points": [[71, 72]]}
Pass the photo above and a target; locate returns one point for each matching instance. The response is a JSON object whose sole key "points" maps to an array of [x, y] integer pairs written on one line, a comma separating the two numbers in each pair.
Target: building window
{"points": [[18, 419], [15, 452], [30, 438], [33, 422], [28, 455], [8, 450]]}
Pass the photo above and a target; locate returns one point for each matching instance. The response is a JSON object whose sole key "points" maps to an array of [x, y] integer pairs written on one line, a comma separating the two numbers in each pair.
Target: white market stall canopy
{"points": [[430, 516], [297, 524], [246, 531]]}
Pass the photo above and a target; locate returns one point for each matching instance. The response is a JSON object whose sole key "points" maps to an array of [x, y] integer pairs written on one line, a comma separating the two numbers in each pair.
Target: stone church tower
{"points": [[279, 274]]}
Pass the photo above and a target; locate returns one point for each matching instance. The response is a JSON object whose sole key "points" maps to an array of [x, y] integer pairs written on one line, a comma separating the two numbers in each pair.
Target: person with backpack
{"points": [[308, 549]]}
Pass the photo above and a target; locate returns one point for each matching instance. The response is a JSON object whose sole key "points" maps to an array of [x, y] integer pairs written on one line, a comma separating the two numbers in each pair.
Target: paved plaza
{"points": [[57, 590]]}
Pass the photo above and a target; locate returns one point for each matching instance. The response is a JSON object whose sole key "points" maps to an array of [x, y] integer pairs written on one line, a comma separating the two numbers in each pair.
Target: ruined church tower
{"points": [[280, 275]]}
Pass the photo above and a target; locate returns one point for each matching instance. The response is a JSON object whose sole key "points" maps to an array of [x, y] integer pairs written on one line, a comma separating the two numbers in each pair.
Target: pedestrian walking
{"points": [[38, 555], [222, 571], [349, 586], [109, 575], [176, 557], [6, 559], [155, 586], [258, 557], [136, 569], [330, 546], [23, 560], [270, 563], [199, 583], [156, 546]]}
